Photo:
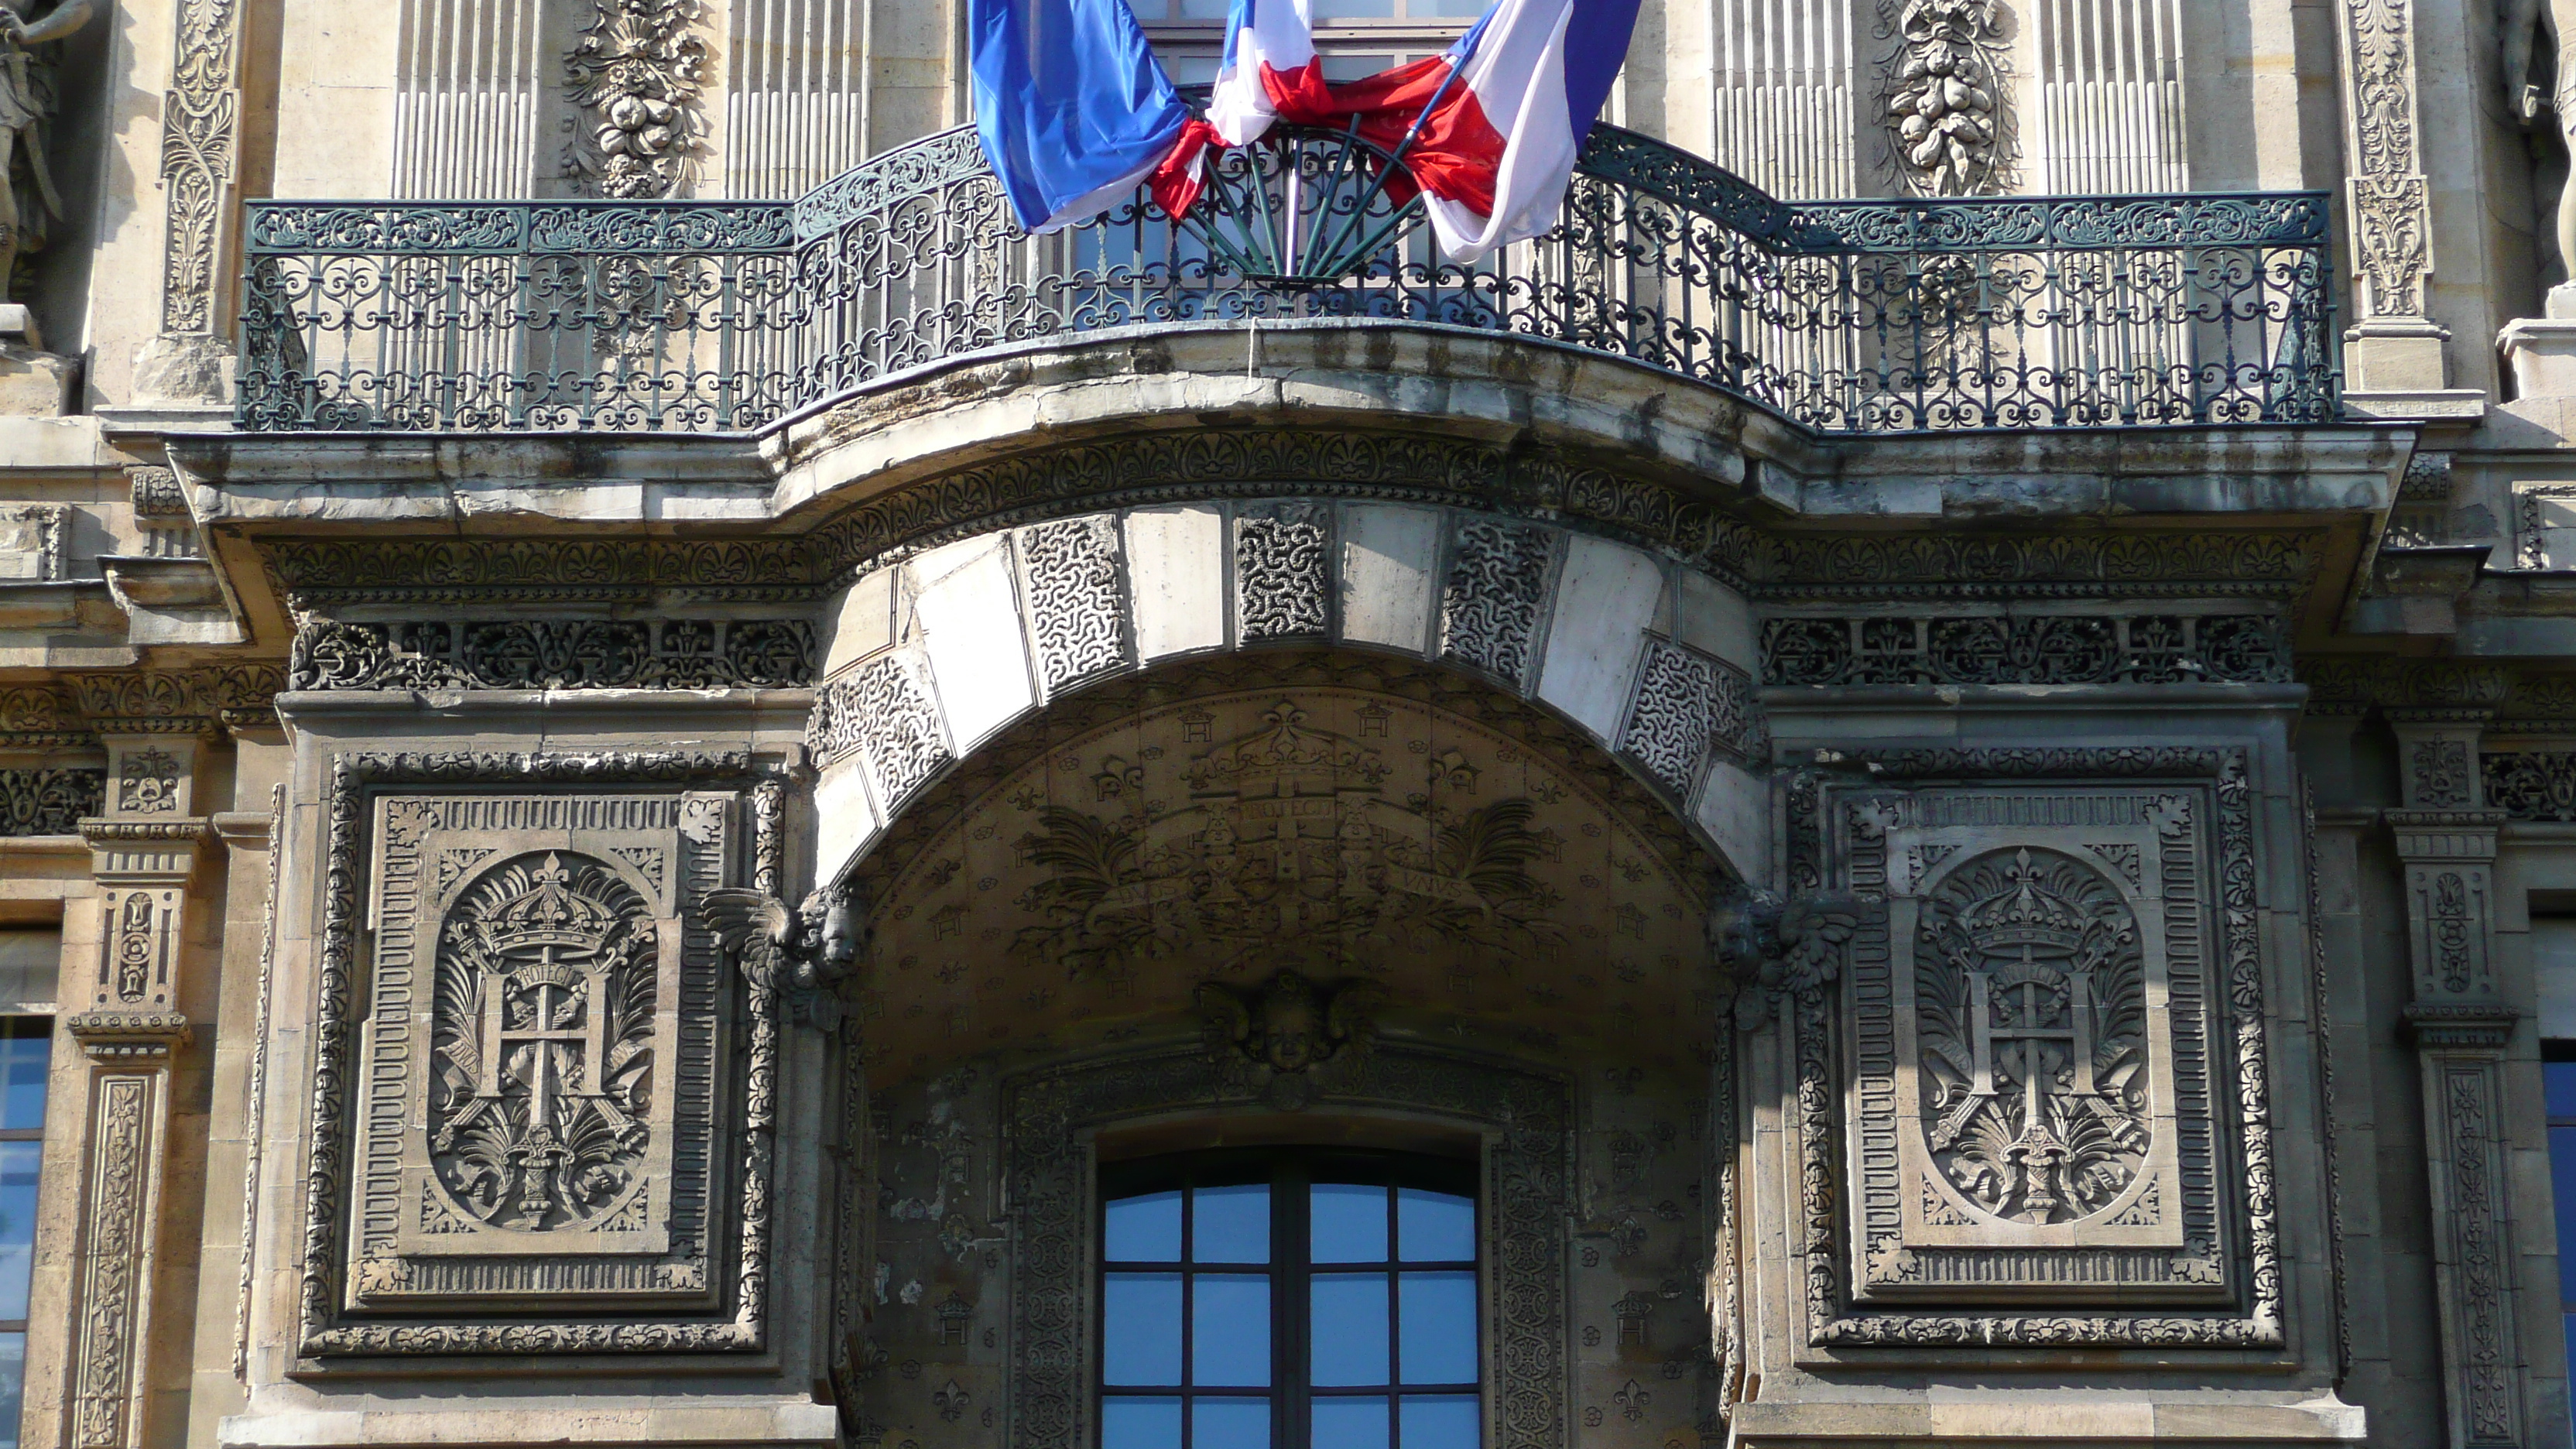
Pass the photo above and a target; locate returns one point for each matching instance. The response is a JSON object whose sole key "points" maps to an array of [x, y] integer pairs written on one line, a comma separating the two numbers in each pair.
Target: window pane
{"points": [[2559, 1083], [1144, 1229], [18, 1163], [1350, 1423], [1140, 1329], [1200, 9], [1444, 9], [1434, 1227], [23, 1055], [1230, 1331], [13, 1375], [29, 963], [1439, 1318], [1140, 1423], [1349, 1339], [1232, 1224], [1339, 68], [1353, 10], [1349, 1223], [1230, 1424], [1440, 1421]]}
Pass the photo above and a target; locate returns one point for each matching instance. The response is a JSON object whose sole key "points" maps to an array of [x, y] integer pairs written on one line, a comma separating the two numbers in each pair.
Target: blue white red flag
{"points": [[1269, 51], [1491, 129], [1070, 104]]}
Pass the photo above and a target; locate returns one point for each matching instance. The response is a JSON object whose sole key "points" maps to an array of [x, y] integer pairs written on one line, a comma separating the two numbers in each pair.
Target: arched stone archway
{"points": [[1645, 657], [1284, 895]]}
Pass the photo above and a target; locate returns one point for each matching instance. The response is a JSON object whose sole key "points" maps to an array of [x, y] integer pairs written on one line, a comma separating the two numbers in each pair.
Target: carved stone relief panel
{"points": [[562, 1021], [48, 802], [1069, 572], [1239, 832], [882, 707], [551, 1114], [2042, 1075], [1687, 704], [1280, 579], [1489, 604]]}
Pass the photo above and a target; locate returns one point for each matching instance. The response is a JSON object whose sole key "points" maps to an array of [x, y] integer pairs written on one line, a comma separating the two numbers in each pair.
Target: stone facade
{"points": [[592, 910]]}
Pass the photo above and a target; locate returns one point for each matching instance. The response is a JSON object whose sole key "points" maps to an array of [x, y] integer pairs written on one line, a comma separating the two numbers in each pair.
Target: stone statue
{"points": [[27, 102], [2527, 25]]}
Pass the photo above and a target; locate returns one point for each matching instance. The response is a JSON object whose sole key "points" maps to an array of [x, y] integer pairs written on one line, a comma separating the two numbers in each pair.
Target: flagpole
{"points": [[1395, 157]]}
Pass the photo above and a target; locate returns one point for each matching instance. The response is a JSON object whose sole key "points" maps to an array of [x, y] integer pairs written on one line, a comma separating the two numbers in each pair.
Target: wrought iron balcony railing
{"points": [[1845, 317]]}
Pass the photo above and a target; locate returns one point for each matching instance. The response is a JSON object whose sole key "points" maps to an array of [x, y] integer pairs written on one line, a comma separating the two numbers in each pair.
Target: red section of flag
{"points": [[1454, 156], [1177, 182]]}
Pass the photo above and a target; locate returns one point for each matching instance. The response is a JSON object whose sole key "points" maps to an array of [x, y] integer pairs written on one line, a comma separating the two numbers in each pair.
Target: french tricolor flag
{"points": [[1269, 54], [1490, 129]]}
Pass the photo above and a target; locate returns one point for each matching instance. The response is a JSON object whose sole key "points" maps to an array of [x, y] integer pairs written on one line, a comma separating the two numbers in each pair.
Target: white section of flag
{"points": [[1276, 33], [1517, 75]]}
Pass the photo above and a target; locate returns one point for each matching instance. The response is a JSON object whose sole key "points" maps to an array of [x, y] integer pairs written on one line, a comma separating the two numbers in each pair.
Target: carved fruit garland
{"points": [[635, 77], [1943, 85]]}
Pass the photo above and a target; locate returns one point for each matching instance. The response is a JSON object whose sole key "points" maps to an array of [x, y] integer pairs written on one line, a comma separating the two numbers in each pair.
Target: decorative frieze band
{"points": [[182, 701], [2054, 649], [555, 654], [49, 802], [1511, 488]]}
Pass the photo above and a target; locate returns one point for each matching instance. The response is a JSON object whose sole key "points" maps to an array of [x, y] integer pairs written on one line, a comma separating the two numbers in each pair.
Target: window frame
{"points": [[1289, 1171], [39, 1028]]}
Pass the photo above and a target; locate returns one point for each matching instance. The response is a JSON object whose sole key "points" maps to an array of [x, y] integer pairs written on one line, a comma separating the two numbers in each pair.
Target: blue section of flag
{"points": [[1069, 103], [1596, 45]]}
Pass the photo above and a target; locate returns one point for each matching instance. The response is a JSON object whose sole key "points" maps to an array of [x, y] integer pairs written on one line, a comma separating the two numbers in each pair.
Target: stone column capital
{"points": [[130, 1038], [146, 852], [2455, 1026]]}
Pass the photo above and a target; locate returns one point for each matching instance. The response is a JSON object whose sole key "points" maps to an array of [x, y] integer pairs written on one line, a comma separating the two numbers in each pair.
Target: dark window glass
{"points": [[2559, 1083], [1303, 1299], [26, 1046]]}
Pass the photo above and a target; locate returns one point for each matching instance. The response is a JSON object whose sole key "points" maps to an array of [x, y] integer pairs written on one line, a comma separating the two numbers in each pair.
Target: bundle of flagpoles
{"points": [[1075, 112]]}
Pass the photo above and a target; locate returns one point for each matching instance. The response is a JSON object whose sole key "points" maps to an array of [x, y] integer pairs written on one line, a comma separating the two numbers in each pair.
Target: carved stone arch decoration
{"points": [[1056, 923], [1524, 1116]]}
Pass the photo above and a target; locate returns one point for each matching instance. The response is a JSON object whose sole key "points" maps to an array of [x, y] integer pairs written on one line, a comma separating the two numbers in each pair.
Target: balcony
{"points": [[1846, 318]]}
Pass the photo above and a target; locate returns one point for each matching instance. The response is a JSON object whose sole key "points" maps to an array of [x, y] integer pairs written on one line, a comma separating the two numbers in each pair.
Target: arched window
{"points": [[1289, 1297]]}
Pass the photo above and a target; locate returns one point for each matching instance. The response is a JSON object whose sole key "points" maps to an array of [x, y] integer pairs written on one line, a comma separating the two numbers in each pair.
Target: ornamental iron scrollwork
{"points": [[1920, 315]]}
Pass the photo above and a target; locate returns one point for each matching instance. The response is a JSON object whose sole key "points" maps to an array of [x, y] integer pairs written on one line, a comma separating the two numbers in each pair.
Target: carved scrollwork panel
{"points": [[1071, 573], [1489, 606], [2034, 1109], [1280, 578], [570, 1111]]}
